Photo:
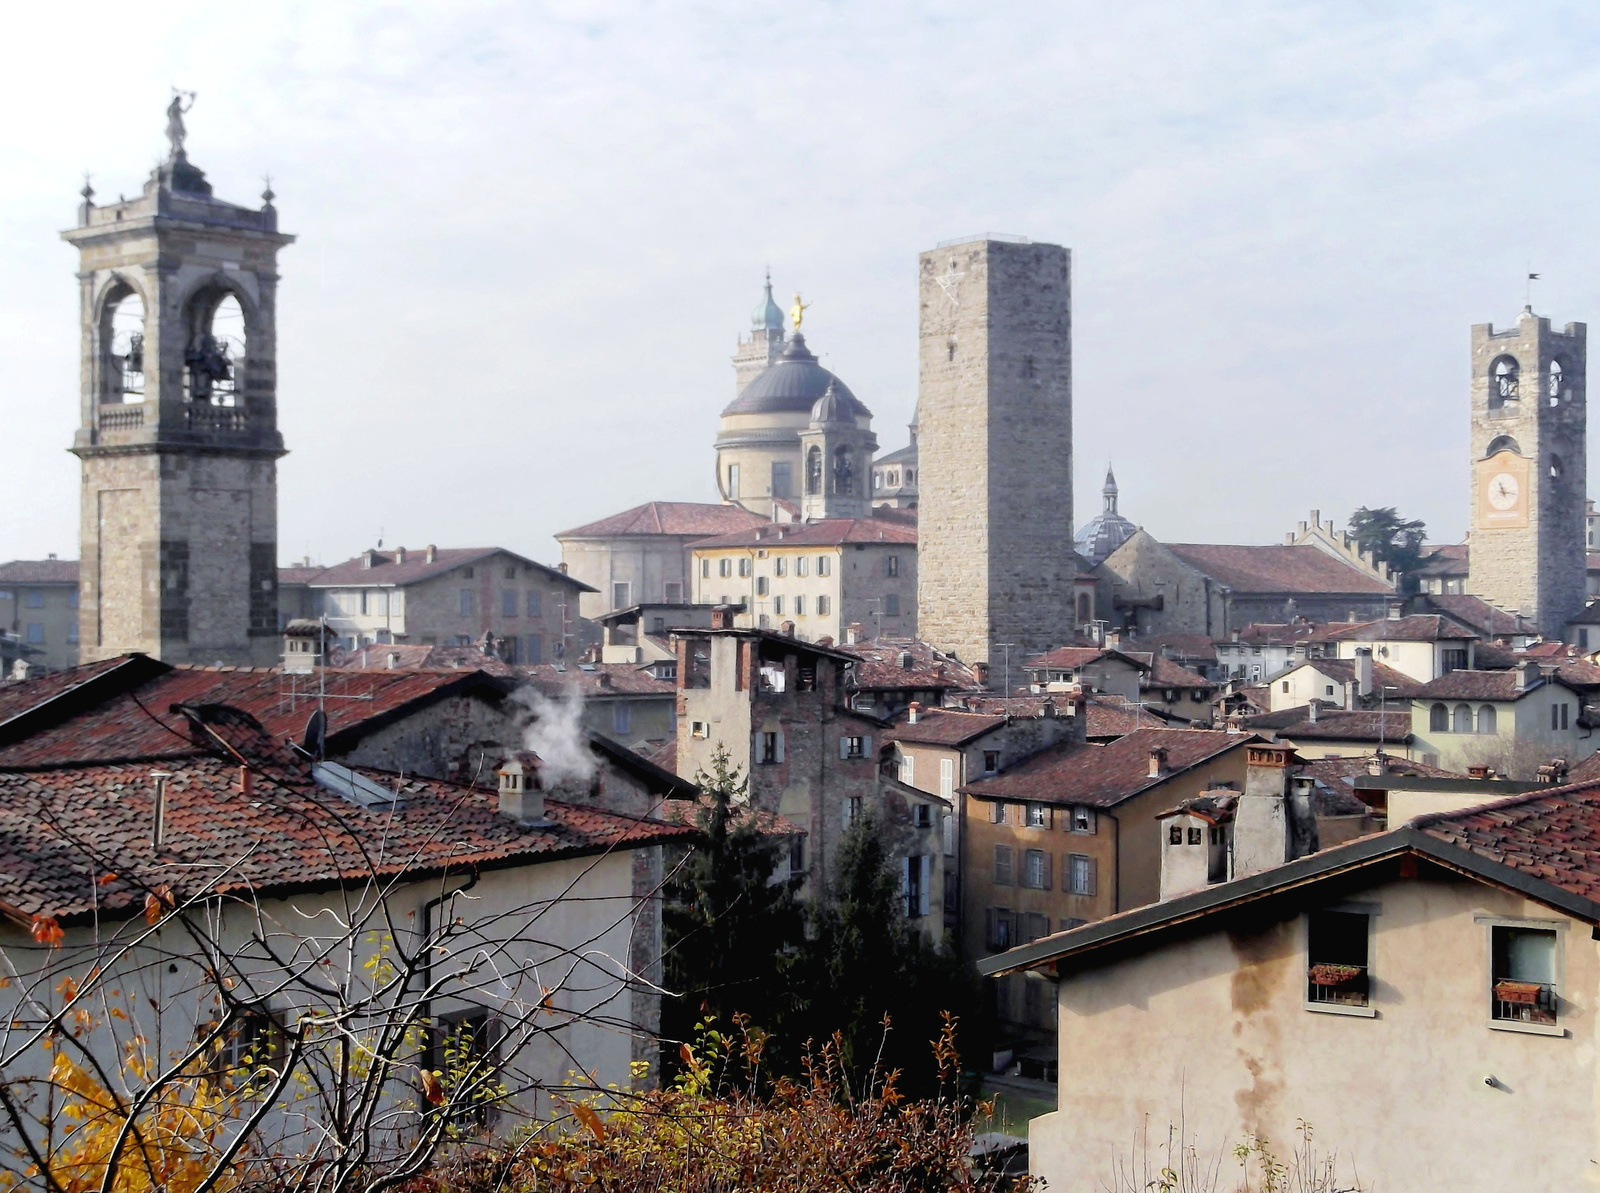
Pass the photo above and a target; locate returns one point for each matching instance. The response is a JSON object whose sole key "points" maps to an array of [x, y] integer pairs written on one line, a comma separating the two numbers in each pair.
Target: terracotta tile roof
{"points": [[1477, 614], [1070, 658], [1587, 771], [141, 724], [63, 830], [831, 532], [1398, 684], [297, 575], [688, 519], [1448, 560], [1552, 835], [1164, 673], [1590, 614], [1336, 777], [1547, 652], [1478, 685], [1173, 646], [1112, 716], [353, 573], [39, 571], [665, 756], [25, 694], [882, 667], [1580, 673], [946, 727], [1286, 569], [1270, 633], [1419, 627], [1106, 775], [597, 680], [1486, 656], [1337, 724]]}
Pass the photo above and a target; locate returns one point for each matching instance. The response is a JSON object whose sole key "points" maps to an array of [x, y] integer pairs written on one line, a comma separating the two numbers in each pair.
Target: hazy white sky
{"points": [[530, 233]]}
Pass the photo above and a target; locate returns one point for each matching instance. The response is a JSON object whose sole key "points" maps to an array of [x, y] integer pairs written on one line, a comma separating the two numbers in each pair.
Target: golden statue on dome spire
{"points": [[798, 311]]}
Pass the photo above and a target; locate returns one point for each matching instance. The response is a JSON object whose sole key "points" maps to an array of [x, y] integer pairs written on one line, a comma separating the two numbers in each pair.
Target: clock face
{"points": [[1504, 490]]}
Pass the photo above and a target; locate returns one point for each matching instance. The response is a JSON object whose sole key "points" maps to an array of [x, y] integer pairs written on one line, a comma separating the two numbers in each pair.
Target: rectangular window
{"points": [[510, 652], [509, 604], [35, 633], [777, 606], [535, 649], [948, 824], [35, 598], [853, 746], [891, 605], [1036, 869], [947, 778], [733, 482], [699, 729], [744, 566], [1080, 874], [782, 479], [72, 634], [822, 606], [253, 1040], [800, 606], [763, 586], [1003, 869], [621, 595], [915, 875], [724, 569], [908, 770], [999, 930], [72, 602], [674, 594], [797, 856], [467, 573], [1523, 975], [621, 717], [1285, 685], [1038, 816], [997, 812], [771, 748], [891, 565], [1083, 820], [852, 809], [802, 565], [824, 565], [991, 761], [511, 572], [467, 603], [780, 566], [533, 604], [1337, 958], [705, 569], [921, 816]]}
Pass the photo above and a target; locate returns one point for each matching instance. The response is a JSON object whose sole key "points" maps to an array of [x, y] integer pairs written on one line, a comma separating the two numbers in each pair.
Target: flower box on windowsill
{"points": [[1328, 974], [1520, 992]]}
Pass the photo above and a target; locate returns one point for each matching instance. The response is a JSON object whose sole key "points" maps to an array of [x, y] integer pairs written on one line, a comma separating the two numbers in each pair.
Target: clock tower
{"points": [[1527, 550]]}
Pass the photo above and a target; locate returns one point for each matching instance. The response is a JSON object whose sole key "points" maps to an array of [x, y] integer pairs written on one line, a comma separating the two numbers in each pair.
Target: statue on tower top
{"points": [[175, 110]]}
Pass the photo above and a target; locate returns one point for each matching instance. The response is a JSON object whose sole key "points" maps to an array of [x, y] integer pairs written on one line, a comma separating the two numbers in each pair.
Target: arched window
{"points": [[844, 473], [1553, 383], [1083, 607], [1486, 719], [1463, 719], [122, 340], [1439, 719], [1555, 465], [813, 471], [216, 351], [1503, 384], [1502, 443]]}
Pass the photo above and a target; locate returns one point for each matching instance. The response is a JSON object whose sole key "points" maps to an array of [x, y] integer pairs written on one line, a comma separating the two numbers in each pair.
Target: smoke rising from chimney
{"points": [[556, 734]]}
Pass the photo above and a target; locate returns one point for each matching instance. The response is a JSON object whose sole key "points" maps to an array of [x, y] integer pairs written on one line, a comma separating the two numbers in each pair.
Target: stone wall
{"points": [[995, 447]]}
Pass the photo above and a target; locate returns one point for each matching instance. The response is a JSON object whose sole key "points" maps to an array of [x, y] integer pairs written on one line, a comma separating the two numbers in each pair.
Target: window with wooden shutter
{"points": [[1003, 867]]}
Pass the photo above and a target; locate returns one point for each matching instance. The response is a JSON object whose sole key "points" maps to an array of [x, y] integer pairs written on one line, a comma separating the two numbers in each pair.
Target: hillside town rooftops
{"points": [[1103, 776], [1418, 627]]}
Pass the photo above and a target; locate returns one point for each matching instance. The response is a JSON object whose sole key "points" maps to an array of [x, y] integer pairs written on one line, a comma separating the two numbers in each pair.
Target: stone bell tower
{"points": [[178, 426], [836, 452], [1527, 549]]}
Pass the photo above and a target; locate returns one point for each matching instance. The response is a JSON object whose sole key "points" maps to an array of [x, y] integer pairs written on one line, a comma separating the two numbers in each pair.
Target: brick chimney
{"points": [[722, 617], [1158, 762], [1272, 826], [431, 555], [399, 554], [521, 793]]}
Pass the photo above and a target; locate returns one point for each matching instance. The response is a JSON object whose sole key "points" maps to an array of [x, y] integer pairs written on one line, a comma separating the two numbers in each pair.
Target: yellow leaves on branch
{"points": [[157, 903]]}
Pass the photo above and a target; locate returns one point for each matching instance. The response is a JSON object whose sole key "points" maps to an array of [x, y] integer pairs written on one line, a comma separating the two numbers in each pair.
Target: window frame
{"points": [[1367, 1010], [1562, 1007]]}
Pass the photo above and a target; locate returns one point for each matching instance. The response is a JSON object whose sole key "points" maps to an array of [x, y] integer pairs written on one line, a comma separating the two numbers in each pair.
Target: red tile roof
{"points": [[1478, 614], [882, 667], [1552, 835], [1479, 685], [141, 723], [1164, 673], [39, 571], [21, 695], [297, 575], [1419, 627], [1112, 716], [946, 727], [1337, 724], [353, 573], [1397, 684], [1448, 559], [1285, 569], [681, 518], [1106, 775], [831, 532], [62, 831], [598, 680], [1070, 658], [1275, 633]]}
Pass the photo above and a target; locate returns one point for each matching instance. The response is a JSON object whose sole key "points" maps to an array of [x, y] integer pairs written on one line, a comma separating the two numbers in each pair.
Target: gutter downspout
{"points": [[427, 933], [1116, 865]]}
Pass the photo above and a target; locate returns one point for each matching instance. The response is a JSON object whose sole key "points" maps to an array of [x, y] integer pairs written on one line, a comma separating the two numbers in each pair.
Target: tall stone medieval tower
{"points": [[995, 563], [178, 431], [1529, 469]]}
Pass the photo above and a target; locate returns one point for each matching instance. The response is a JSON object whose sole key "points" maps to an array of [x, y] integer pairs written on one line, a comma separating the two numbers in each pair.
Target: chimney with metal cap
{"points": [[913, 712], [521, 793], [1363, 671]]}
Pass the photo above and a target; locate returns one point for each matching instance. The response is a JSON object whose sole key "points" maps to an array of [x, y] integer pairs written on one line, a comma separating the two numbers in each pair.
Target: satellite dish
{"points": [[316, 736]]}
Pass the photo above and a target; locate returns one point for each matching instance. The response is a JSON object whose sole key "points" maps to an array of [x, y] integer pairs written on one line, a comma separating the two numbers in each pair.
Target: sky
{"points": [[529, 235]]}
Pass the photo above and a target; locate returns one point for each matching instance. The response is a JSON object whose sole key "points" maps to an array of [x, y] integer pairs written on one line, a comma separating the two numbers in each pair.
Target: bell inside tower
{"points": [[122, 334], [216, 350]]}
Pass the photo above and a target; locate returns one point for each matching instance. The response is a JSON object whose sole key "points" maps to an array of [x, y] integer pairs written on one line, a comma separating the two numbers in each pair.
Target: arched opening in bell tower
{"points": [[814, 471], [122, 346], [844, 475], [215, 353], [1504, 387], [1554, 382]]}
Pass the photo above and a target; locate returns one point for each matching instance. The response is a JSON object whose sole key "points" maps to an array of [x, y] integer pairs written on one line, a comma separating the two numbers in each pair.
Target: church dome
{"points": [[767, 316], [1107, 530], [792, 384]]}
